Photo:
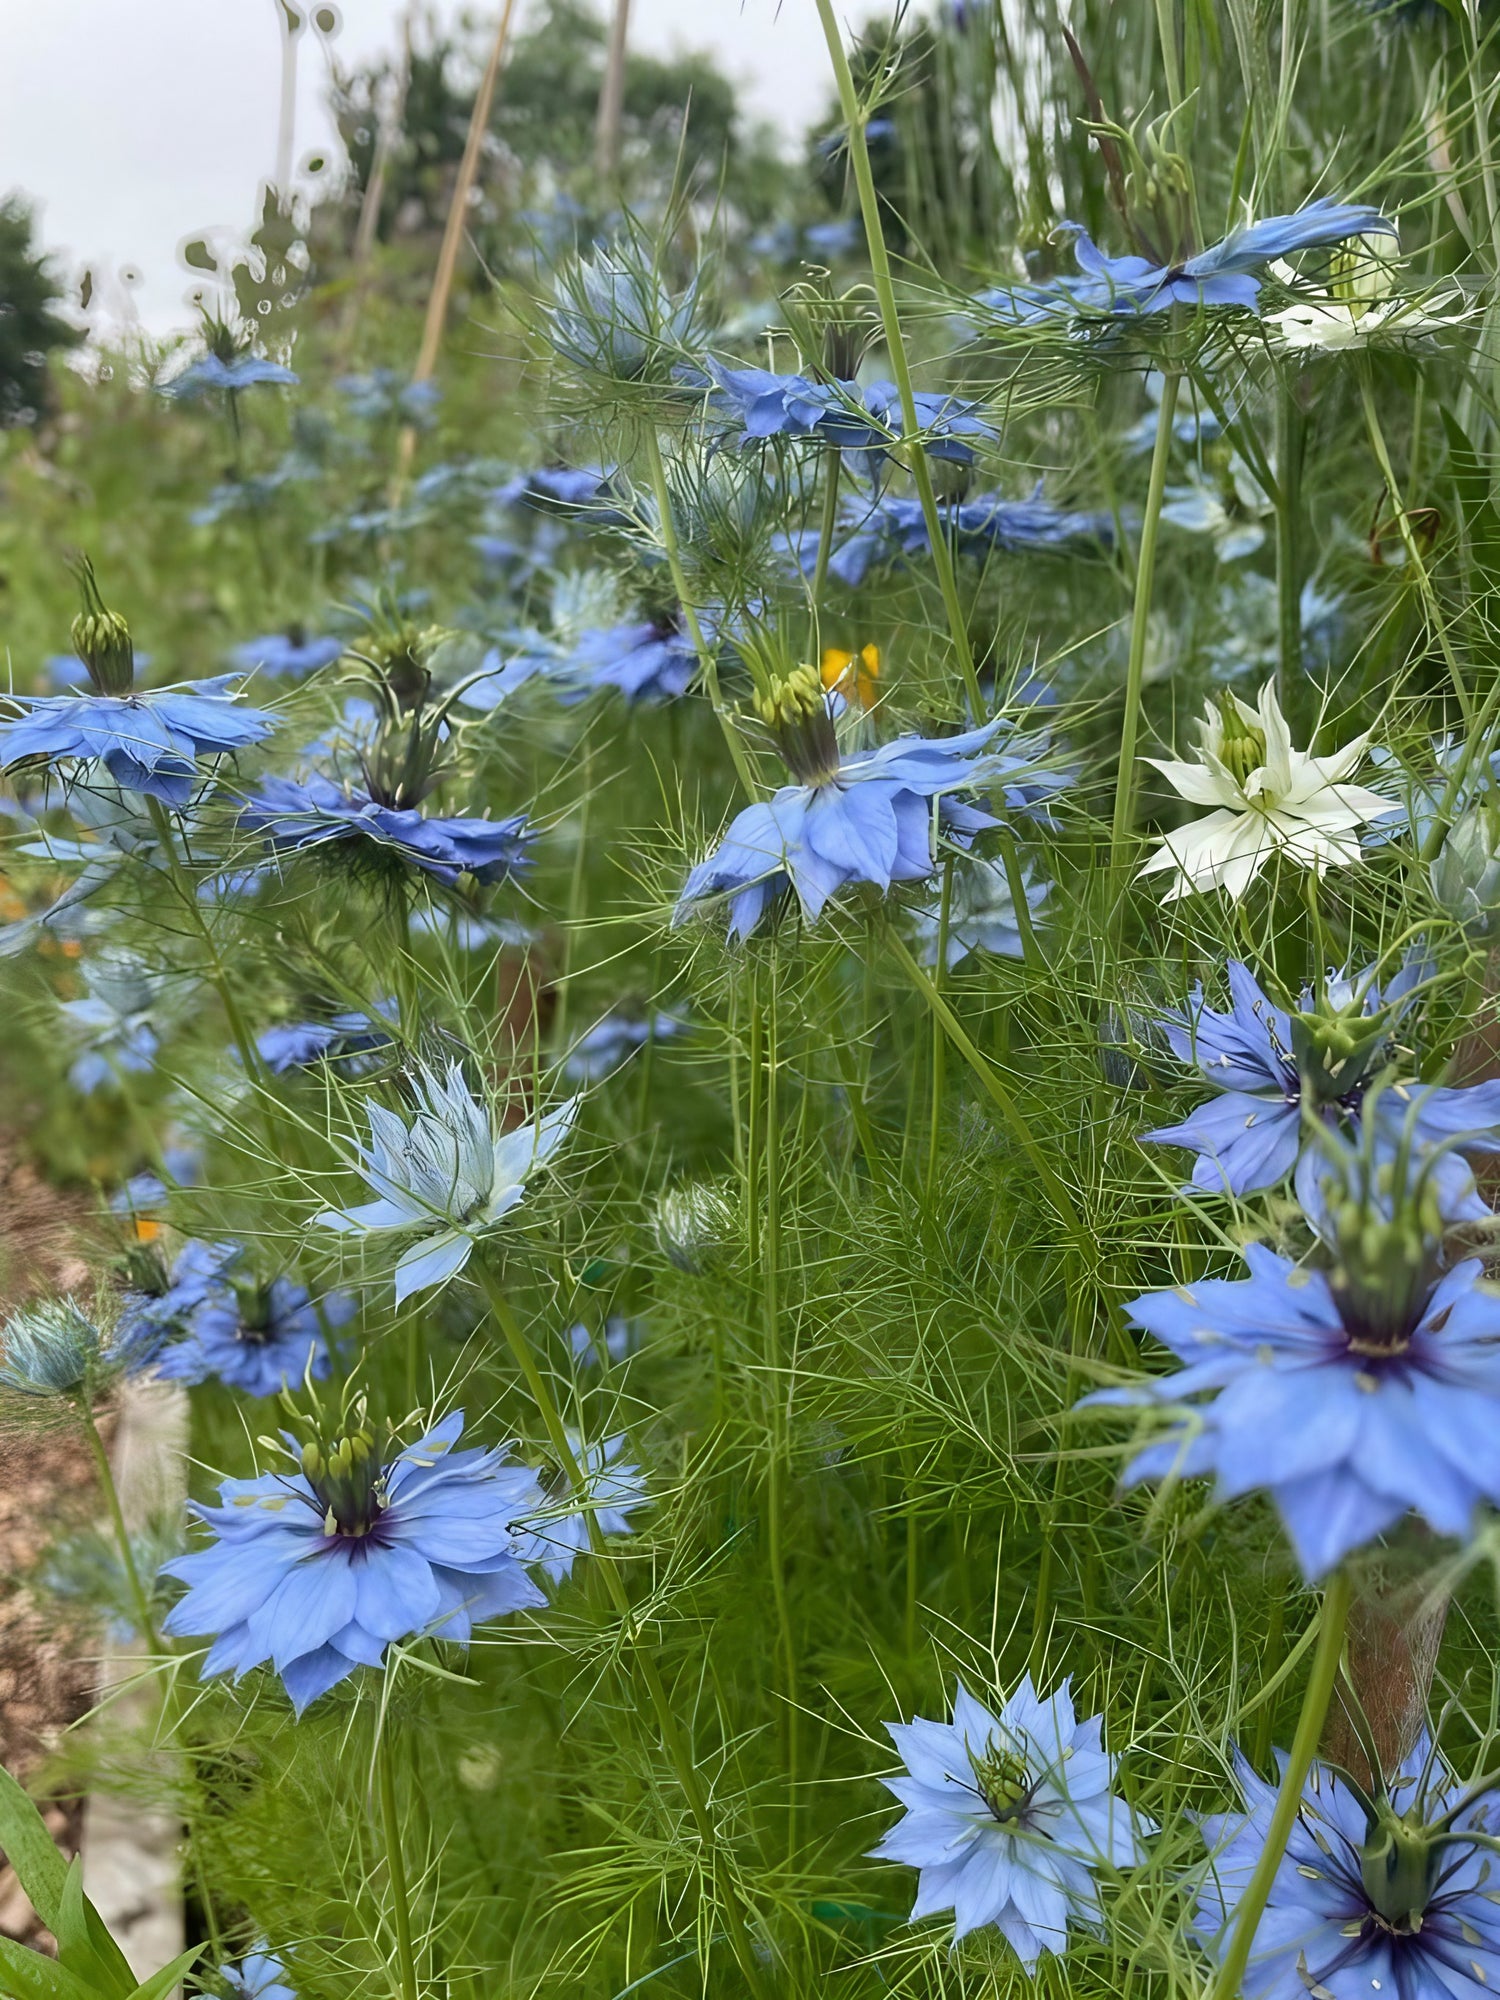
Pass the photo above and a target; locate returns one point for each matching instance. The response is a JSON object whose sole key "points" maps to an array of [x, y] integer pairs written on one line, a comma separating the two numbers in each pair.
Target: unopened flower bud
{"points": [[1244, 747], [1465, 877], [101, 638]]}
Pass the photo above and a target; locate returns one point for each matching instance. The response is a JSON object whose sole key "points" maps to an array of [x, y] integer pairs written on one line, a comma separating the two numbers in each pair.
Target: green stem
{"points": [[1288, 541], [1145, 566], [995, 1090], [575, 895], [780, 1392], [249, 1055], [707, 660], [1419, 567], [885, 293], [826, 527], [1315, 1700], [673, 1741], [939, 1039], [138, 1598], [385, 1781]]}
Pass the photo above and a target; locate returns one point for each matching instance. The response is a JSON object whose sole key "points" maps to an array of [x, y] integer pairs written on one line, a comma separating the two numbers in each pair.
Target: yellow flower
{"points": [[854, 675]]}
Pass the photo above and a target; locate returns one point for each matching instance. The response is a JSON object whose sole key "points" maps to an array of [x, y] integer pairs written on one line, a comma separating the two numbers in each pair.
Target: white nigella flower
{"points": [[447, 1174], [1271, 800], [1332, 324], [1362, 310]]}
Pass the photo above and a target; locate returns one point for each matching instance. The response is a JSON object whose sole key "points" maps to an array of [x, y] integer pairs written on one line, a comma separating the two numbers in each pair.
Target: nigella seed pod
{"points": [[694, 1224]]}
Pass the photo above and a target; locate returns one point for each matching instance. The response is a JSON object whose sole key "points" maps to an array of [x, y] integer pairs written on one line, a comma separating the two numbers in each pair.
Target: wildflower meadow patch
{"points": [[765, 935]]}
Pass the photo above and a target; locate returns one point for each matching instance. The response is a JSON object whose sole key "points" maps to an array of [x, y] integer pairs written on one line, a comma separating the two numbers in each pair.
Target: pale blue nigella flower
{"points": [[253, 1337], [893, 531], [1008, 1817], [243, 372], [316, 1570], [982, 913], [160, 1304], [652, 660], [613, 1489], [447, 1174], [147, 1193], [260, 1975], [864, 421], [1263, 1061], [601, 1050], [1390, 1894], [1352, 1396], [113, 1017], [342, 1041], [293, 652]]}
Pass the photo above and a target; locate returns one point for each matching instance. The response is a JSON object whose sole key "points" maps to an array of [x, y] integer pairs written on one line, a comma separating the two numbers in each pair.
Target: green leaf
{"points": [[40, 1869], [85, 1946], [160, 1984], [26, 1975]]}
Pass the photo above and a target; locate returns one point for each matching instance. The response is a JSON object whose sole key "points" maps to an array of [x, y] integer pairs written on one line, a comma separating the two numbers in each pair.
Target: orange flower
{"points": [[854, 675]]}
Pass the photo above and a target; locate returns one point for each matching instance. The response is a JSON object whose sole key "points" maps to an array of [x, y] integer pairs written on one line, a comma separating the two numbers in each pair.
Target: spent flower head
{"points": [[55, 1348]]}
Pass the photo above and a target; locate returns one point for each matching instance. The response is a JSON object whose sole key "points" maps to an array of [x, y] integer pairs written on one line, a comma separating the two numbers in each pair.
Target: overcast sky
{"points": [[137, 124]]}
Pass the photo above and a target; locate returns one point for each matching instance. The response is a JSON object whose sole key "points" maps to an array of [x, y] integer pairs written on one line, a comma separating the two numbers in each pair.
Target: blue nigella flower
{"points": [[864, 421], [147, 1193], [1228, 274], [297, 814], [613, 1489], [467, 930], [294, 652], [864, 816], [894, 531], [652, 660], [114, 1017], [1391, 1894], [159, 1304], [314, 1571], [1008, 1817], [1262, 1062], [833, 239], [260, 1975], [149, 741], [299, 1044], [557, 485], [384, 393], [620, 1339], [600, 1051], [253, 1337], [1352, 1396], [244, 372], [447, 1174], [982, 913]]}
